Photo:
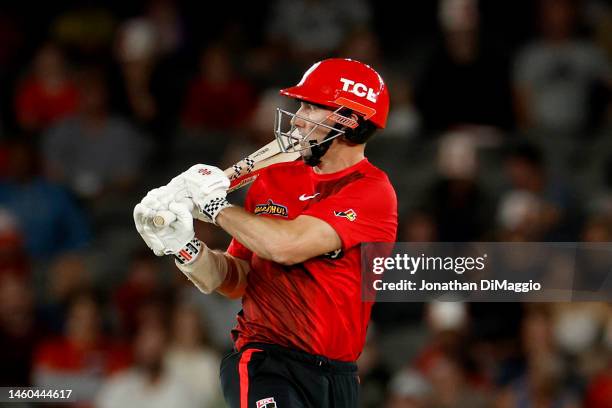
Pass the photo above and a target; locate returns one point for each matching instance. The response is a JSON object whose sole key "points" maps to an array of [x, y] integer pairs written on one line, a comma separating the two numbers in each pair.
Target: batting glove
{"points": [[207, 187], [177, 238]]}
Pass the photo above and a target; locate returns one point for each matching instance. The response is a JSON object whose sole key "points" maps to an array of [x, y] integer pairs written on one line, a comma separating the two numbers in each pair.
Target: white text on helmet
{"points": [[358, 89]]}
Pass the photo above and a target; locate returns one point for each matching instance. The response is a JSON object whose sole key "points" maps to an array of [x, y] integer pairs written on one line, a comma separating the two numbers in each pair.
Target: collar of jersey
{"points": [[341, 173]]}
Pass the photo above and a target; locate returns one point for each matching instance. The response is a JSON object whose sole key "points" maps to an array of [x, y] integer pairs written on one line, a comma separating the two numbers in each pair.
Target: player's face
{"points": [[309, 130]]}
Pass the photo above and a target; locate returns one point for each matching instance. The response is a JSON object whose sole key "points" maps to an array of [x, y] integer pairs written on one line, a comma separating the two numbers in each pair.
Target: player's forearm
{"points": [[269, 238]]}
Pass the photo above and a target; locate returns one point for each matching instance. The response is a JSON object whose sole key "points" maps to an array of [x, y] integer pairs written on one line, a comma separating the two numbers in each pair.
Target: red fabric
{"points": [[61, 355], [315, 306], [36, 105], [243, 373], [223, 106], [599, 392]]}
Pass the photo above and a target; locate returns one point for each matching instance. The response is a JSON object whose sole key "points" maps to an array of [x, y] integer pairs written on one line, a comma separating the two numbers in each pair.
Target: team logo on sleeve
{"points": [[266, 403], [271, 208], [348, 214]]}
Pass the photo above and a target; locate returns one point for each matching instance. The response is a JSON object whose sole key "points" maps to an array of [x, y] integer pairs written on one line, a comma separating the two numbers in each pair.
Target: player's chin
{"points": [[308, 159], [305, 154]]}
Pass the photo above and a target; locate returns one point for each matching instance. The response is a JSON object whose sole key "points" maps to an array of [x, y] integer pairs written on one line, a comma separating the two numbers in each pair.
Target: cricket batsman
{"points": [[295, 254]]}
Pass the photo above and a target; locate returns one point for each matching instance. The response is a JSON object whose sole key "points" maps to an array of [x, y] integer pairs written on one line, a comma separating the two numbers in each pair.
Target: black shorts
{"points": [[270, 376]]}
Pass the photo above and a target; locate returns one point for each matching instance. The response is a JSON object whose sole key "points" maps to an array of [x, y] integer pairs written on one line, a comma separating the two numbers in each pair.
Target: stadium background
{"points": [[499, 130]]}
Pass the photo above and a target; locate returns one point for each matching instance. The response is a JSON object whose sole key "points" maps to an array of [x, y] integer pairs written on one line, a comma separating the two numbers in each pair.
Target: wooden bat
{"points": [[242, 173]]}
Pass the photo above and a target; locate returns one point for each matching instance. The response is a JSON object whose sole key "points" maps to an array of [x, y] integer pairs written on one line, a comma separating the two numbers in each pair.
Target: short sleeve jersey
{"points": [[315, 306]]}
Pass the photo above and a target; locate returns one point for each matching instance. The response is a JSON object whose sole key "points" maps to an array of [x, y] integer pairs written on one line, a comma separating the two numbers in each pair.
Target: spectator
{"points": [[220, 313], [555, 74], [217, 99], [137, 52], [408, 389], [191, 359], [404, 121], [168, 22], [597, 229], [152, 67], [464, 82], [148, 384], [576, 328], [50, 229], [313, 29], [362, 44], [82, 358], [373, 373], [450, 385], [19, 331], [445, 359], [94, 152], [262, 119], [13, 257], [48, 94], [544, 380], [418, 226], [66, 277], [458, 203], [448, 324], [523, 217], [552, 211], [141, 286]]}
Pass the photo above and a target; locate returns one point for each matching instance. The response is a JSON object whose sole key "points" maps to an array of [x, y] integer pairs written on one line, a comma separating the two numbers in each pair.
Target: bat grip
{"points": [[163, 218]]}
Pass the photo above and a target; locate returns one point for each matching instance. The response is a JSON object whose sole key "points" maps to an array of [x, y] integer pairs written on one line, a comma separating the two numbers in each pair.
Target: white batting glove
{"points": [[177, 239], [161, 197], [207, 187]]}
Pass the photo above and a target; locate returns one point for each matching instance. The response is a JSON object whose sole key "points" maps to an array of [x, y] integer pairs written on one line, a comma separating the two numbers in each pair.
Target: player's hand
{"points": [[161, 197], [207, 187], [170, 239]]}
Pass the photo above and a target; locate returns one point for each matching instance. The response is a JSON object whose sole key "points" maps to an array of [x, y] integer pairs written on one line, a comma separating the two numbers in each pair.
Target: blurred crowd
{"points": [[500, 130]]}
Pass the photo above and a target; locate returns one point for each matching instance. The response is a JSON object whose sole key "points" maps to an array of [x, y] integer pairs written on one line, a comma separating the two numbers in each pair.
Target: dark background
{"points": [[499, 131]]}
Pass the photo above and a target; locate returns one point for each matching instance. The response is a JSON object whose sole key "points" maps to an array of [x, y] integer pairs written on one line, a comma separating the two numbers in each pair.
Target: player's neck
{"points": [[340, 157]]}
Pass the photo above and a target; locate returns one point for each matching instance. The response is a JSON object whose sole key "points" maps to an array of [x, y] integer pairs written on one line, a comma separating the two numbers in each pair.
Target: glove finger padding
{"points": [[180, 232], [160, 198], [171, 238], [202, 180], [207, 187], [184, 220], [153, 241], [142, 220]]}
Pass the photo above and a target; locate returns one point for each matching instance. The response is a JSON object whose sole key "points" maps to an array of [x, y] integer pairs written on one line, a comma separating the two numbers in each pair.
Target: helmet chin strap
{"points": [[317, 152]]}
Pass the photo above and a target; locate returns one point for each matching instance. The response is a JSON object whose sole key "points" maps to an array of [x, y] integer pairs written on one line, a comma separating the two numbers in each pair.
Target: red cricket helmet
{"points": [[343, 82]]}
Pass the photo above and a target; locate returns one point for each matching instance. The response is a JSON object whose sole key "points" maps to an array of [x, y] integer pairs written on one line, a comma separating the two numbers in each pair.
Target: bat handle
{"points": [[163, 218]]}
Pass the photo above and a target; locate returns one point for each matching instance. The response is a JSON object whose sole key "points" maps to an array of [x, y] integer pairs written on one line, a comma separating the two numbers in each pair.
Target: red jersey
{"points": [[315, 306]]}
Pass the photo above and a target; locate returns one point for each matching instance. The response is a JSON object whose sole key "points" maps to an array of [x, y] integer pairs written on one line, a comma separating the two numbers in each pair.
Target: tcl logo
{"points": [[358, 89]]}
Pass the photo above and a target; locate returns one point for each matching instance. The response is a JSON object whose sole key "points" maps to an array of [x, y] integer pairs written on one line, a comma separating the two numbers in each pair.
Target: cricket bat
{"points": [[242, 173]]}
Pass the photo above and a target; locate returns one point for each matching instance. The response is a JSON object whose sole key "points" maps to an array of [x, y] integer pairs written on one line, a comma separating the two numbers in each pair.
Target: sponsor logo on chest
{"points": [[271, 208]]}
